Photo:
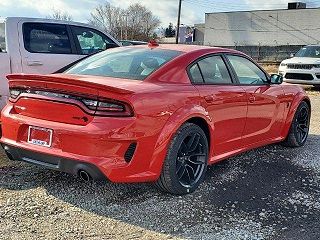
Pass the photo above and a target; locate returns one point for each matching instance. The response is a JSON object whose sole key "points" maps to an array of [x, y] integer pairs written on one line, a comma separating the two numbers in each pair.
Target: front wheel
{"points": [[186, 161], [299, 129]]}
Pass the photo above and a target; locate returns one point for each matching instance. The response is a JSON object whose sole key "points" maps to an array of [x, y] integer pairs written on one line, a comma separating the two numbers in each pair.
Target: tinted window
{"points": [[130, 63], [46, 38], [212, 69], [90, 41], [196, 74], [309, 51], [2, 38], [247, 71]]}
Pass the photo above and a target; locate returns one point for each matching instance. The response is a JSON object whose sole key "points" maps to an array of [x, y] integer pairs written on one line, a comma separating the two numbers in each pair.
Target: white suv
{"points": [[303, 67]]}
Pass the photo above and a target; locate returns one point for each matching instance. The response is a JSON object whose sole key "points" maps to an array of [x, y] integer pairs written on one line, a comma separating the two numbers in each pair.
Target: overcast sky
{"points": [[193, 11]]}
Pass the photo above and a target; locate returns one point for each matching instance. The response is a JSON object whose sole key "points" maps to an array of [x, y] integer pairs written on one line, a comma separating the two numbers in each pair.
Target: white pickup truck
{"points": [[29, 45]]}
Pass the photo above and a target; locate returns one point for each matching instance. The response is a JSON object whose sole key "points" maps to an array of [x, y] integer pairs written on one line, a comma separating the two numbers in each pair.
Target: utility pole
{"points": [[178, 25]]}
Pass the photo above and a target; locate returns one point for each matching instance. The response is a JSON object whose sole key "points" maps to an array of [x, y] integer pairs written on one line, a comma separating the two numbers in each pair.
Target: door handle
{"points": [[252, 99], [34, 63], [209, 99]]}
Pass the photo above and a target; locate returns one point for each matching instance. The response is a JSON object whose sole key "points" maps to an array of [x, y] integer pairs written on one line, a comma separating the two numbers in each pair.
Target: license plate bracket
{"points": [[40, 136]]}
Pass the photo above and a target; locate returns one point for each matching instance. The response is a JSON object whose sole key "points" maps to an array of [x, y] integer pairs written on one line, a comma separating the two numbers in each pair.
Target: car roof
{"points": [[188, 48], [50, 20]]}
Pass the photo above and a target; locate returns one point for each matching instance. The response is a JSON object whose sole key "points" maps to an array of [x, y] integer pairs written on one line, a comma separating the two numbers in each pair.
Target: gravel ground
{"points": [[268, 193]]}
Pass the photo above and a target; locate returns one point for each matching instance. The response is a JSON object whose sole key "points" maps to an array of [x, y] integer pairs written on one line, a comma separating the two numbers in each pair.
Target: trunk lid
{"points": [[56, 97]]}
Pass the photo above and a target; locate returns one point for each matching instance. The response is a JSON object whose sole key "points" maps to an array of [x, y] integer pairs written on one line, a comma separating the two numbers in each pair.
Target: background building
{"points": [[259, 32], [267, 28]]}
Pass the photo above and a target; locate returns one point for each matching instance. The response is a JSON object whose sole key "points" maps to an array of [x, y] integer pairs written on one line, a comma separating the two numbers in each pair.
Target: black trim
{"points": [[130, 152], [72, 41], [65, 68], [53, 162]]}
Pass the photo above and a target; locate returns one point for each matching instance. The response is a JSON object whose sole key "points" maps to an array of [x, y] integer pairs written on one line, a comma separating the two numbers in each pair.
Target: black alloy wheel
{"points": [[186, 161], [299, 130], [191, 159], [302, 124]]}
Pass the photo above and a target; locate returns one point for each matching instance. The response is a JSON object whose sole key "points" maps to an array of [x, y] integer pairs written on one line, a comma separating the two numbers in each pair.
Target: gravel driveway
{"points": [[268, 193]]}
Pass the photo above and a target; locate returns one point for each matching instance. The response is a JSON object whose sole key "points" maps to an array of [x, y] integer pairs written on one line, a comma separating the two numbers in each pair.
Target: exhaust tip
{"points": [[7, 151], [85, 176]]}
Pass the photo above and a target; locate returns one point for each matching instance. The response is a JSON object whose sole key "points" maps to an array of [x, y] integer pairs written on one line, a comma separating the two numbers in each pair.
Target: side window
{"points": [[90, 40], [247, 72], [2, 38], [46, 38], [212, 70], [196, 74]]}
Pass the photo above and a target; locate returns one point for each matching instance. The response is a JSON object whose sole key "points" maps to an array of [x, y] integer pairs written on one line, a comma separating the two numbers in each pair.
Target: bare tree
{"points": [[108, 18], [136, 22], [60, 15], [141, 22]]}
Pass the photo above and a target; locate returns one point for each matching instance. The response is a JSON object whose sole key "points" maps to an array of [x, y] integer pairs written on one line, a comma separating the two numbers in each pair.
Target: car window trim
{"points": [[72, 45], [76, 40], [235, 74], [203, 81]]}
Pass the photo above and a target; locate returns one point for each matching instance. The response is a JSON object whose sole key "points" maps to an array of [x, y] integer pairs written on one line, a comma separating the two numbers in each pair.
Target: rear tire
{"points": [[299, 130], [186, 161]]}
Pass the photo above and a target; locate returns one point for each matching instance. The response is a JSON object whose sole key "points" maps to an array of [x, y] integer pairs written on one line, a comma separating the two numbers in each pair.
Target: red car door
{"points": [[265, 102], [226, 103]]}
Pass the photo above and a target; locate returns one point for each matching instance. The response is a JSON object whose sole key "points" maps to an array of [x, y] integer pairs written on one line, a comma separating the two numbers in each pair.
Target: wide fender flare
{"points": [[298, 98], [175, 121]]}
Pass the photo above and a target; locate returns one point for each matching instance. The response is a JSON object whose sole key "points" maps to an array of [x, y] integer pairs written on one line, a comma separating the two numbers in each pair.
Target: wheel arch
{"points": [[298, 99], [203, 124], [193, 114]]}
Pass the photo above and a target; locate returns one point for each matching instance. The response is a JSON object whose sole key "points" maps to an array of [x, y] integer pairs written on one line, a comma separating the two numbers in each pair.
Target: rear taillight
{"points": [[101, 107], [108, 107]]}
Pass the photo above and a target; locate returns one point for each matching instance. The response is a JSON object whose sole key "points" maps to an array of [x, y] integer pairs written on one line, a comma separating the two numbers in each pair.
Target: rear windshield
{"points": [[2, 37], [130, 63]]}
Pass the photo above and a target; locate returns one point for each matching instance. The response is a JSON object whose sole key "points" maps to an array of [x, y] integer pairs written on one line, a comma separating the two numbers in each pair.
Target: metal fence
{"points": [[272, 54]]}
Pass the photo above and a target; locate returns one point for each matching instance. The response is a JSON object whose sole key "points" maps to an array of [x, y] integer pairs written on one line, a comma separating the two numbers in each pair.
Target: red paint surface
{"points": [[161, 104]]}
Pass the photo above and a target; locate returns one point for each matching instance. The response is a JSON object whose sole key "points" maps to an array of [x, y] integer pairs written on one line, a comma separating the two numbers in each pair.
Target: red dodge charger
{"points": [[151, 114]]}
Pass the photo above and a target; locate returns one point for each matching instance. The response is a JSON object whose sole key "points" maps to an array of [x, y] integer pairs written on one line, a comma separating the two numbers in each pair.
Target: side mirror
{"points": [[276, 79], [292, 55]]}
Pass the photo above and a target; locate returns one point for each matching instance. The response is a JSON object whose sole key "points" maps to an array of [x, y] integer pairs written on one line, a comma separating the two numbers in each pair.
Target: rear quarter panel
{"points": [[165, 111]]}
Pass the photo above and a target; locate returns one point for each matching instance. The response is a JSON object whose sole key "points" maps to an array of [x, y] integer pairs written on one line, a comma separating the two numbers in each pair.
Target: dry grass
{"points": [[270, 68]]}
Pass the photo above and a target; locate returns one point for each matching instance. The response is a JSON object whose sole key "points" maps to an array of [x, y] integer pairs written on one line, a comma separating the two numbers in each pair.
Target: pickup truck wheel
{"points": [[299, 129], [185, 165]]}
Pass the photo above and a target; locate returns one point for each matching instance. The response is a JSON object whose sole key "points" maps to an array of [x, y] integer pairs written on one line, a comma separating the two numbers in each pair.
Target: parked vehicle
{"points": [[303, 67], [131, 42], [151, 114], [29, 45]]}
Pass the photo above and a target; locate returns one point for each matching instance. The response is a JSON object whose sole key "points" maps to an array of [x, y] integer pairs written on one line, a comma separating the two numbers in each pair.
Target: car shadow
{"points": [[274, 188]]}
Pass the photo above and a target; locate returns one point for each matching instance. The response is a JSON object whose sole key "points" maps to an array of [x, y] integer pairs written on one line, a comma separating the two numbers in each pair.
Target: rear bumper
{"points": [[52, 162], [103, 143]]}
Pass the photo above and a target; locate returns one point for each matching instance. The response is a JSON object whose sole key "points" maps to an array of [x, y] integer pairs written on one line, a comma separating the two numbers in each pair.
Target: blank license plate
{"points": [[40, 136]]}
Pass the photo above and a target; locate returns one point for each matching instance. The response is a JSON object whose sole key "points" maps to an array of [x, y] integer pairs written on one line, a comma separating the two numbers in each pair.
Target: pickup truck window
{"points": [[46, 38], [2, 38], [89, 40]]}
